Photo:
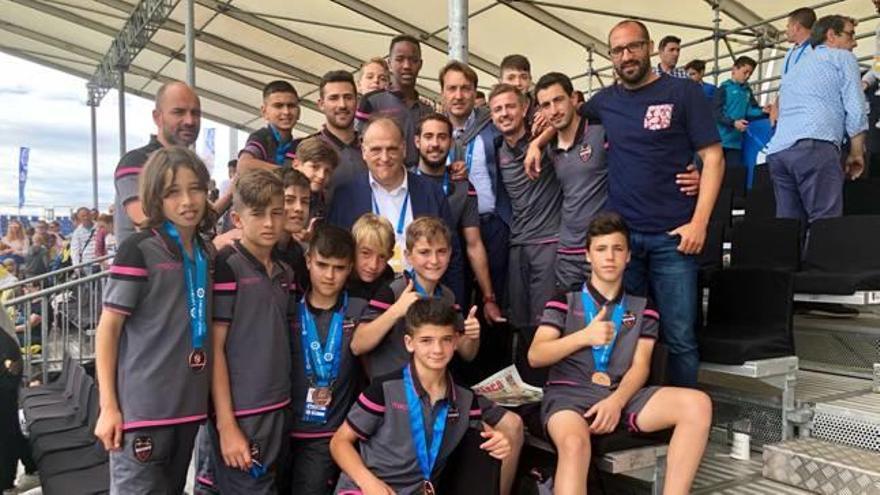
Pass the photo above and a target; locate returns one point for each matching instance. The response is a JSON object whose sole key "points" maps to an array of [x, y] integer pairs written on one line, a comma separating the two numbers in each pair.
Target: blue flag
{"points": [[23, 155]]}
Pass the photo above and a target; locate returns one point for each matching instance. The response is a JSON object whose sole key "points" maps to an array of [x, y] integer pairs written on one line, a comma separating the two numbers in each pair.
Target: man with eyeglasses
{"points": [[821, 103], [654, 124]]}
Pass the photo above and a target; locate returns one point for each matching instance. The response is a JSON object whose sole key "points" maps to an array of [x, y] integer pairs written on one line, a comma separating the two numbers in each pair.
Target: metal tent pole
{"points": [[121, 91], [716, 22], [590, 70], [458, 30], [94, 114], [190, 47]]}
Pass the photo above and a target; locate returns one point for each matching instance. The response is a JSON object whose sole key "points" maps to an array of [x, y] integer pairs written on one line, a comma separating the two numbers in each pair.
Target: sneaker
{"points": [[27, 481]]}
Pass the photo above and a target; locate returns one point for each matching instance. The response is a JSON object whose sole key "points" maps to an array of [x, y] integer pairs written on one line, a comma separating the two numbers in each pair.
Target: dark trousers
{"points": [[13, 445], [733, 157], [312, 470], [808, 181]]}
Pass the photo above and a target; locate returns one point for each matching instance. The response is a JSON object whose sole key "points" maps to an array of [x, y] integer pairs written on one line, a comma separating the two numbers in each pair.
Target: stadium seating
{"points": [[861, 197], [751, 248], [841, 256]]}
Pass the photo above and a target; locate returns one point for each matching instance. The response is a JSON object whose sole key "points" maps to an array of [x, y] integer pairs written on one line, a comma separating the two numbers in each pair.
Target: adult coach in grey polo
{"points": [[178, 118]]}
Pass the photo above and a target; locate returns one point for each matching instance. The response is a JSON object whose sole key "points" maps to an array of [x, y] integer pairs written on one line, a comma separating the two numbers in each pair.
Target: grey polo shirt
{"points": [[154, 382], [258, 308], [347, 384], [391, 103], [125, 180], [537, 203], [462, 198], [351, 159], [391, 353], [565, 312], [262, 145], [583, 174], [380, 417]]}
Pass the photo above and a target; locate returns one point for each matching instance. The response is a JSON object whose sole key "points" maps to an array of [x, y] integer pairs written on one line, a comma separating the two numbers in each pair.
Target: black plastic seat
{"points": [[842, 256], [861, 197], [773, 243], [749, 317], [761, 203], [761, 176]]}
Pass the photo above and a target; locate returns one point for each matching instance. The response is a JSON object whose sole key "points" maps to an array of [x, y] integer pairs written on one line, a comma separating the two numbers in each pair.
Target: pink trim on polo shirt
{"points": [[379, 304], [122, 172], [631, 422], [563, 250], [205, 481], [562, 382], [225, 286], [361, 115], [320, 434], [264, 409], [128, 270], [116, 310], [557, 305], [258, 145], [370, 404], [475, 412], [351, 492], [163, 422], [650, 313]]}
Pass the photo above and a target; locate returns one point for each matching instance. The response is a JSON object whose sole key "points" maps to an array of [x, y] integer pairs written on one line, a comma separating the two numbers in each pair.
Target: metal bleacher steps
{"points": [[823, 467], [839, 345]]}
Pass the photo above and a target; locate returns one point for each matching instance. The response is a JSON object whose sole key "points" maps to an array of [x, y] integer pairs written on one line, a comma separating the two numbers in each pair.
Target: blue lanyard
{"points": [[196, 278], [281, 148], [788, 59], [421, 290], [601, 353], [401, 220], [445, 184], [468, 157], [426, 454], [322, 361]]}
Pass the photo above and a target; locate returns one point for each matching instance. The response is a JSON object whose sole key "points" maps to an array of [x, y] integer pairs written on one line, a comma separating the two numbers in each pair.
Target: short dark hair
{"points": [[232, 163], [481, 94], [804, 16], [279, 86], [501, 88], [291, 177], [457, 66], [745, 60], [255, 189], [430, 311], [314, 149], [669, 39], [336, 76], [697, 65], [516, 62], [404, 38], [836, 23], [607, 223], [439, 117], [331, 241], [551, 78]]}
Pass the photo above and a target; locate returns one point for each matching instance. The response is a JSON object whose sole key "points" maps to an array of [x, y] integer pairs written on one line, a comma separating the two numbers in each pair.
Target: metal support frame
{"points": [[94, 120], [559, 26], [121, 90], [589, 70], [716, 34], [190, 46], [458, 30], [142, 23], [618, 15]]}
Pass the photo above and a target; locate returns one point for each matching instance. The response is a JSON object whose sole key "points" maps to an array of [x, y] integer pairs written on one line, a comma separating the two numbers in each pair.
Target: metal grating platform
{"points": [[846, 345], [851, 421], [815, 387], [823, 467]]}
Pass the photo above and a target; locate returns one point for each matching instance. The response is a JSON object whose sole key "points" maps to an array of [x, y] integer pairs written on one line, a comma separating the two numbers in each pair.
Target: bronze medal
{"points": [[322, 396], [142, 448], [428, 488], [601, 378], [197, 360]]}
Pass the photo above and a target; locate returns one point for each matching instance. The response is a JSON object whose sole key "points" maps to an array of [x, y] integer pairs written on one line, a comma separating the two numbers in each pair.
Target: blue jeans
{"points": [[669, 278]]}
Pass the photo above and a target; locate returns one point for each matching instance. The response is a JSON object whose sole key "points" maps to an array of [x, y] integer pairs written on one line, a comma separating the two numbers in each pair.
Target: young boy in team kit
{"points": [[255, 300], [597, 341], [273, 145], [316, 160], [297, 196], [325, 375], [410, 421], [374, 246]]}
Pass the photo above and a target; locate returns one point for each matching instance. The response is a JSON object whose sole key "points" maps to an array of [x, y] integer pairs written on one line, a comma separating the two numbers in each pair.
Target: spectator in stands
{"points": [[818, 101], [337, 100], [598, 340], [37, 262], [797, 32], [107, 243], [480, 99], [177, 115], [696, 70], [41, 227], [668, 50], [273, 145], [55, 229], [15, 243], [375, 76], [735, 106], [82, 241], [656, 125], [401, 99]]}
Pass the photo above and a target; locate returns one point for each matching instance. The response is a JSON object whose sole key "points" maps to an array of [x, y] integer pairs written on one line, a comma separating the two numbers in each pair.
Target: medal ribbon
{"points": [[468, 157], [195, 270], [800, 52], [401, 220], [421, 290], [601, 353], [281, 148], [426, 454], [322, 362]]}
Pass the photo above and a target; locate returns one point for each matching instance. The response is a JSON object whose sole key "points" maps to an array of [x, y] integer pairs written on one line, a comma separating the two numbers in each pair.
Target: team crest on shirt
{"points": [[255, 451], [629, 319], [658, 117], [142, 448], [585, 152]]}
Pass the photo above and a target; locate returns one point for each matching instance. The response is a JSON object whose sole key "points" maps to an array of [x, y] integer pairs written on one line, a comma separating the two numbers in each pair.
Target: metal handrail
{"points": [[55, 288], [55, 273]]}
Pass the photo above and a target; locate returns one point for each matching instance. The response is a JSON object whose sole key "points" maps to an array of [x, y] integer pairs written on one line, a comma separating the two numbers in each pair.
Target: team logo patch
{"points": [[585, 153], [658, 117], [629, 319], [142, 448], [255, 451]]}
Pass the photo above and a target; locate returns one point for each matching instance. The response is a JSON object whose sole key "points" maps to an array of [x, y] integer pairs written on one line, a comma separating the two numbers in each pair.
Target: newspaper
{"points": [[506, 388]]}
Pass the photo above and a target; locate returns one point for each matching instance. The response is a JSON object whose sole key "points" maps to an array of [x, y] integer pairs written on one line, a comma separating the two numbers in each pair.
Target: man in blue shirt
{"points": [[654, 125], [819, 102]]}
